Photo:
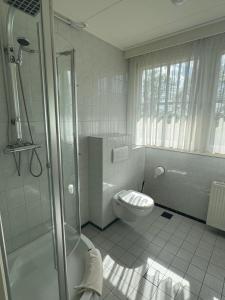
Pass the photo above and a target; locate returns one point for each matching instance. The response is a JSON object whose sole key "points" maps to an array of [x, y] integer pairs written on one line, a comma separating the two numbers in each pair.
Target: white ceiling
{"points": [[128, 23]]}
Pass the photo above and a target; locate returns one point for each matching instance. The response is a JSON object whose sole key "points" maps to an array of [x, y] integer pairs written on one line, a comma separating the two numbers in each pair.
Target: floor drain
{"points": [[166, 215]]}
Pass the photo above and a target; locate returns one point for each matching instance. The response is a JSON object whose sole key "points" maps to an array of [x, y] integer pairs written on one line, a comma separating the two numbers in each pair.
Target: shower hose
{"points": [[34, 151]]}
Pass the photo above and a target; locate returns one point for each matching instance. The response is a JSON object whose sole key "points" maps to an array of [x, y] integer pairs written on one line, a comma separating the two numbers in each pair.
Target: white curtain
{"points": [[177, 97]]}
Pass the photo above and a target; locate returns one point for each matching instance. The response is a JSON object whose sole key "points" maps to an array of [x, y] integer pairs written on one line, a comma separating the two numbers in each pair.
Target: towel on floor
{"points": [[90, 296], [93, 274]]}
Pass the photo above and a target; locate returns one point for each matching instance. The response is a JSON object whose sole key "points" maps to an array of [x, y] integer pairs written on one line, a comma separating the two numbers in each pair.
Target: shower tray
{"points": [[33, 275]]}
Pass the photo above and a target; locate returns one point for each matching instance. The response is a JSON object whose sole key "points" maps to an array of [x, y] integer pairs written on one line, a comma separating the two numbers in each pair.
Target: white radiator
{"points": [[216, 208]]}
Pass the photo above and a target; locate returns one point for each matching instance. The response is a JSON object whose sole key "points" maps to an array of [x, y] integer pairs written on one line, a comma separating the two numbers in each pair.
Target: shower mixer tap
{"points": [[14, 63], [10, 52]]}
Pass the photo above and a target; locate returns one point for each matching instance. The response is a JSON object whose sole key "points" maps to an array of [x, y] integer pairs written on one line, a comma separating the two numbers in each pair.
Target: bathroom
{"points": [[112, 144]]}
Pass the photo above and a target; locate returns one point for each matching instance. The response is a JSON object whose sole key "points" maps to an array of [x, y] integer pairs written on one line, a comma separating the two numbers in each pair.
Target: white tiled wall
{"points": [[187, 180], [102, 93], [106, 177]]}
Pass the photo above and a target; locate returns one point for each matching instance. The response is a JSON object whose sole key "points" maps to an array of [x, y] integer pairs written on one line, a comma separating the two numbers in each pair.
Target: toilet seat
{"points": [[129, 205], [134, 199]]}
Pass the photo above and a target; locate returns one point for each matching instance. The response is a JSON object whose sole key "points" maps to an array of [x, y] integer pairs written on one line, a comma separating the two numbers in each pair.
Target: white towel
{"points": [[93, 275], [90, 296]]}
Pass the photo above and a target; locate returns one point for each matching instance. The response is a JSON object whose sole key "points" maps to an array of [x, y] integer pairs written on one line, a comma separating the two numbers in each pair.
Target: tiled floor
{"points": [[161, 259]]}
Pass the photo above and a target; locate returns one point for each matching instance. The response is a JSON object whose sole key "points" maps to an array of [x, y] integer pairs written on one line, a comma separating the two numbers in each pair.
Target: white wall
{"points": [[106, 177], [186, 184], [102, 93]]}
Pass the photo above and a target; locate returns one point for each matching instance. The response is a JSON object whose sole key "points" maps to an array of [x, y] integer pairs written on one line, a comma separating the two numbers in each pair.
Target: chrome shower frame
{"points": [[54, 151], [72, 54], [52, 123], [2, 238]]}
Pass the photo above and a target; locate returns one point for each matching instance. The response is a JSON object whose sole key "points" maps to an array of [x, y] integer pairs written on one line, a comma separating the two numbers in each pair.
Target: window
{"points": [[219, 112], [166, 99], [177, 97]]}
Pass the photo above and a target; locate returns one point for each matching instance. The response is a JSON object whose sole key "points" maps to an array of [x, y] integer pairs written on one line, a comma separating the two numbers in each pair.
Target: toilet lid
{"points": [[138, 200]]}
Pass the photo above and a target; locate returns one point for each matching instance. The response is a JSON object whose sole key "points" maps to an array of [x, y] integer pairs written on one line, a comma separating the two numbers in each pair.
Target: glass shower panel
{"points": [[68, 131], [25, 200]]}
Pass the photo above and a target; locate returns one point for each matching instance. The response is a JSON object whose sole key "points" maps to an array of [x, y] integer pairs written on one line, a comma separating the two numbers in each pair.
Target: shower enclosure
{"points": [[40, 237]]}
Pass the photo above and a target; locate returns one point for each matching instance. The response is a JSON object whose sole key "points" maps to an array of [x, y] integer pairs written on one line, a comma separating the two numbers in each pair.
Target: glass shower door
{"points": [[40, 215], [65, 63], [27, 202]]}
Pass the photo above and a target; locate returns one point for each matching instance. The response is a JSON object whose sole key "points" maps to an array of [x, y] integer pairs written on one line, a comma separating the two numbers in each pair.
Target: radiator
{"points": [[216, 208]]}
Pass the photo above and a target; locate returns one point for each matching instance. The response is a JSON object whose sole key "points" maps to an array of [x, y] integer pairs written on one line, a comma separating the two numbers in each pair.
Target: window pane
{"points": [[219, 116], [165, 104]]}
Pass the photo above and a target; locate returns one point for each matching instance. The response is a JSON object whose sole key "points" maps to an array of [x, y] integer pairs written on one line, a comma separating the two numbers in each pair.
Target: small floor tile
{"points": [[184, 294], [196, 273], [216, 271], [213, 283], [184, 254], [208, 294], [160, 295], [200, 262], [180, 264], [191, 285]]}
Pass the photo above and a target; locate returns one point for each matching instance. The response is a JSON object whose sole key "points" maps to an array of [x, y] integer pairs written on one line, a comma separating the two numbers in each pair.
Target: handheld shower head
{"points": [[24, 42]]}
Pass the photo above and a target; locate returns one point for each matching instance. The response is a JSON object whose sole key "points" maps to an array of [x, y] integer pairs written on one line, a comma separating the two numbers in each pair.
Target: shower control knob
{"points": [[12, 59], [71, 189]]}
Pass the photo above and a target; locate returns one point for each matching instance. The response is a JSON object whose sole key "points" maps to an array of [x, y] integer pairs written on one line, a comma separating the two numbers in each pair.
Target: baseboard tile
{"points": [[180, 213]]}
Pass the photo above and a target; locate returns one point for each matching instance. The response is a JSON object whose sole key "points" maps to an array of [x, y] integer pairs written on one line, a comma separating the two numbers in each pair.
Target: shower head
{"points": [[30, 7], [24, 42], [23, 46]]}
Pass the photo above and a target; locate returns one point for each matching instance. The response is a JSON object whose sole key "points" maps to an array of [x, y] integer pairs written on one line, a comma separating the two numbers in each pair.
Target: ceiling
{"points": [[129, 23]]}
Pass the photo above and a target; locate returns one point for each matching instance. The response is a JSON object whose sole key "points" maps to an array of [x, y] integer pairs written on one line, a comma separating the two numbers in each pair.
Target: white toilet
{"points": [[130, 205]]}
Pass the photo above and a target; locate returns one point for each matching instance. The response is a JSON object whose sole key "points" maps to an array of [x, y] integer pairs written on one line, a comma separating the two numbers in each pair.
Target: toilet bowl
{"points": [[130, 205]]}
